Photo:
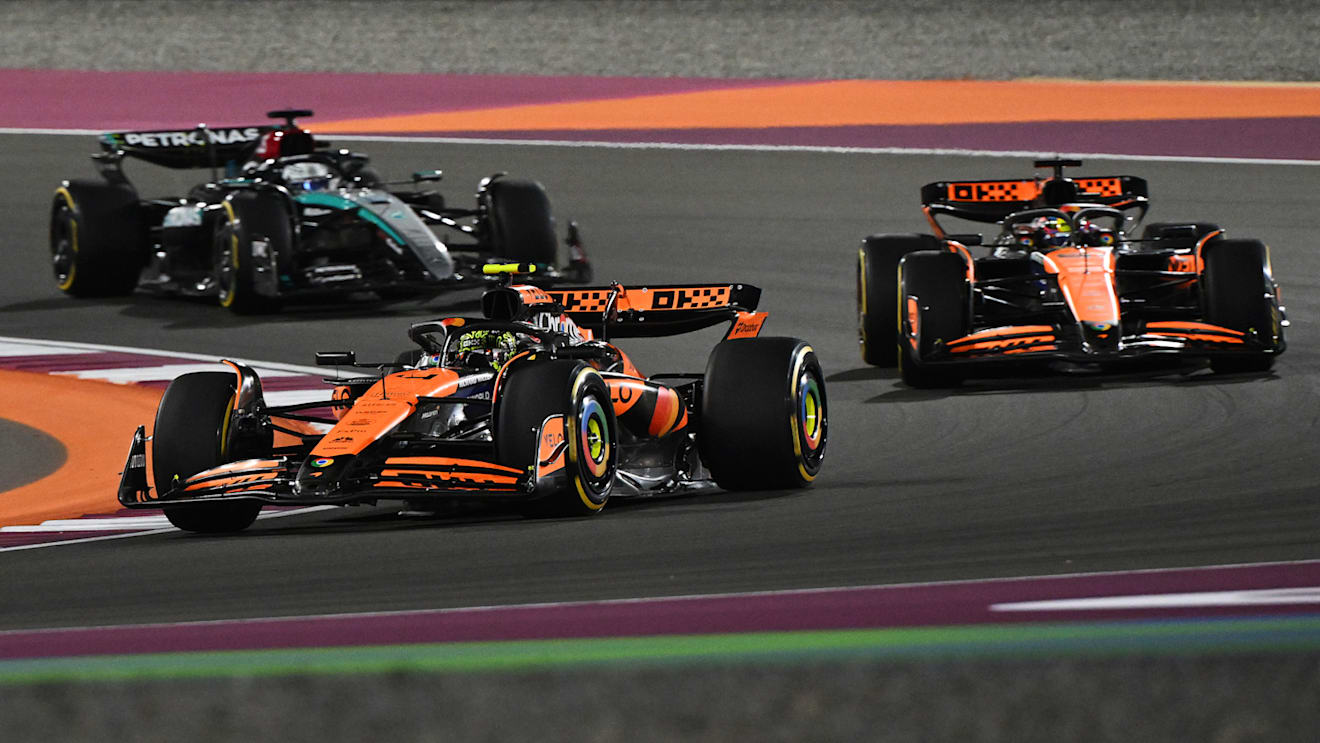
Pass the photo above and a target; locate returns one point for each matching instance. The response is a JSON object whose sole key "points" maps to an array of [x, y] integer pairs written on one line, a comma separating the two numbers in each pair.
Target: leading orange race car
{"points": [[529, 404]]}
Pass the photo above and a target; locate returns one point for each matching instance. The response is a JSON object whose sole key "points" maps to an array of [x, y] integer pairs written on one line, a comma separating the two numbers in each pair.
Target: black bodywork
{"points": [[252, 237]]}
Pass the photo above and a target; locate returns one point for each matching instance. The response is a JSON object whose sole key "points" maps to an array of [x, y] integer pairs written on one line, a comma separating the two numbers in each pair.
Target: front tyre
{"points": [[190, 436], [251, 236], [933, 296], [764, 421], [1237, 292], [537, 390]]}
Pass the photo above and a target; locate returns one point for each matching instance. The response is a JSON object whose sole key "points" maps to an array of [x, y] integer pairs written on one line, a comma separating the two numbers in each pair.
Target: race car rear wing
{"points": [[991, 201], [186, 148], [619, 311]]}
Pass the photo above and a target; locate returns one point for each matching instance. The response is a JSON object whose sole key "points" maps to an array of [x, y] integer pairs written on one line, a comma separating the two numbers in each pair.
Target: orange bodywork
{"points": [[1013, 339], [625, 393], [383, 407], [1086, 278], [747, 325], [532, 295], [1194, 331], [666, 416], [246, 471], [461, 476], [1189, 325], [450, 462], [660, 413], [550, 451]]}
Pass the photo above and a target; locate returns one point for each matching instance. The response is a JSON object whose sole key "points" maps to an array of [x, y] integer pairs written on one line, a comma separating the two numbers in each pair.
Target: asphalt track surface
{"points": [[1003, 478]]}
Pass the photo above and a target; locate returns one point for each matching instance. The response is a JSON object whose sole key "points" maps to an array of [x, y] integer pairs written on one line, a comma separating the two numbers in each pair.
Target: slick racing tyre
{"points": [[1175, 235], [764, 421], [251, 235], [933, 292], [519, 225], [97, 238], [1237, 292], [532, 392], [877, 290], [190, 436]]}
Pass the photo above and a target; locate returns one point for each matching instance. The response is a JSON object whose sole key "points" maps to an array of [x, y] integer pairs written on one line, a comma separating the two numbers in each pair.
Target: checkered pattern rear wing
{"points": [[991, 201], [649, 311]]}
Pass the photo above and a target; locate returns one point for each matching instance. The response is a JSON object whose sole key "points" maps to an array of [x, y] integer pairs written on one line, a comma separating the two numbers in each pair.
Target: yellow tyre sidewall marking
{"points": [[73, 237], [228, 301], [861, 273], [573, 442], [793, 417]]}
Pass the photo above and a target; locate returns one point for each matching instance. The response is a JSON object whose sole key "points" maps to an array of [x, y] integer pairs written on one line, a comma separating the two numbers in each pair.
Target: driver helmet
{"points": [[1050, 232], [1093, 235], [429, 361], [481, 349], [308, 176]]}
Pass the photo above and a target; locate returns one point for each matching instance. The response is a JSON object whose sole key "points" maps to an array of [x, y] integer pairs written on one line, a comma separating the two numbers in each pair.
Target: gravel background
{"points": [[887, 39]]}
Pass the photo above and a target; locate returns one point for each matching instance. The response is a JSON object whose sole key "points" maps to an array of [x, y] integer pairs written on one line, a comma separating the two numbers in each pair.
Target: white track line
{"points": [[129, 375], [648, 600], [297, 397], [128, 535], [76, 347], [919, 151], [1201, 599]]}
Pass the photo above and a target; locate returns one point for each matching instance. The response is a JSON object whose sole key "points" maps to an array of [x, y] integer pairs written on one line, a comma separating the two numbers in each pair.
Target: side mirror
{"points": [[422, 176], [336, 358], [971, 238]]}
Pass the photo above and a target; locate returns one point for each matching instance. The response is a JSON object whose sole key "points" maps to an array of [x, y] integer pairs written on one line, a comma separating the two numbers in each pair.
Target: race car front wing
{"points": [[1048, 342], [275, 480]]}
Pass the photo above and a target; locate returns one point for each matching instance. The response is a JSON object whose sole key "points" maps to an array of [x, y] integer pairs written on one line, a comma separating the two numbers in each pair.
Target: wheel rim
{"points": [[810, 414], [64, 248], [595, 439], [225, 263]]}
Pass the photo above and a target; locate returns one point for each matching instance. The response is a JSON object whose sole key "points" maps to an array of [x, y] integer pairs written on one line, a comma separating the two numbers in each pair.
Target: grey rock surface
{"points": [[883, 39]]}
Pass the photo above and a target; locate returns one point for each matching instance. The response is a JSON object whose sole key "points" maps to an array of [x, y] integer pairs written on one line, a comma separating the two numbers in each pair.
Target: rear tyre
{"points": [[877, 287], [936, 282], [764, 420], [519, 225], [97, 239], [538, 390], [252, 234], [188, 437], [1237, 292]]}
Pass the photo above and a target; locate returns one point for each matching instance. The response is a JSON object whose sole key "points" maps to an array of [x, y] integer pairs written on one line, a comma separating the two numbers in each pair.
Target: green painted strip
{"points": [[1274, 635]]}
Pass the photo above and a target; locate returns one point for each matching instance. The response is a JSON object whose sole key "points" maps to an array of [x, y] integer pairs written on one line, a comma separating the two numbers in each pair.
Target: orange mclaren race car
{"points": [[531, 403], [1065, 283]]}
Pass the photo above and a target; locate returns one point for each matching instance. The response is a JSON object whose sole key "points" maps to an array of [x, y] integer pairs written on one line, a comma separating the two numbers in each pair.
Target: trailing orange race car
{"points": [[531, 404], [1065, 283]]}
